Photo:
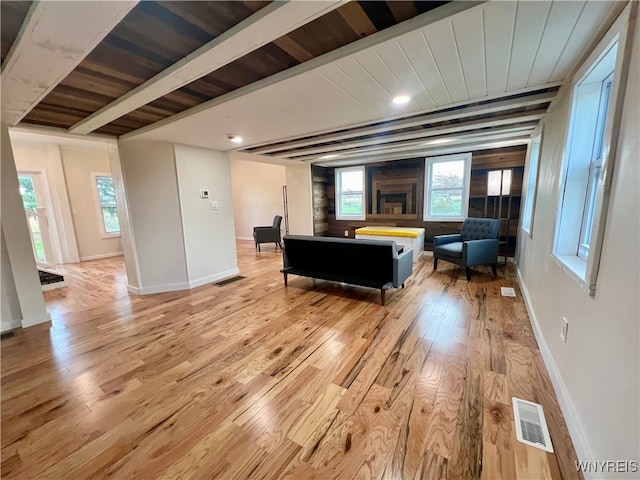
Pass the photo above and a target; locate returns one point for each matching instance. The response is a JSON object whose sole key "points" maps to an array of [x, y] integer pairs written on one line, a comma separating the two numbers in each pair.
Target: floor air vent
{"points": [[531, 427], [507, 292]]}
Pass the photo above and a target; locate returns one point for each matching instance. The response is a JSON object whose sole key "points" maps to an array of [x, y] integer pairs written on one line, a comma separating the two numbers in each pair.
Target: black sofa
{"points": [[368, 263]]}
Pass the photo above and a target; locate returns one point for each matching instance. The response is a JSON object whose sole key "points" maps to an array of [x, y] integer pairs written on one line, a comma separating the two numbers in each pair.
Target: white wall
{"points": [[39, 156], [257, 194], [67, 165], [79, 164], [596, 373], [300, 199], [27, 292], [151, 186], [10, 312], [208, 234]]}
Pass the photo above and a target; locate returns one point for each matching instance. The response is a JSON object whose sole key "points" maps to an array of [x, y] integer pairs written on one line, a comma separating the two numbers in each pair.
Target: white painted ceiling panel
{"points": [[587, 24], [345, 83], [492, 49], [356, 72], [562, 19], [531, 19], [499, 19], [469, 36], [396, 59], [380, 72], [445, 51], [421, 58]]}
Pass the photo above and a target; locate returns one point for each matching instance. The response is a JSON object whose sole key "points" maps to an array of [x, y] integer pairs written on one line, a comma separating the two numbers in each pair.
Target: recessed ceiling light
{"points": [[235, 138], [401, 99], [439, 141], [326, 157]]}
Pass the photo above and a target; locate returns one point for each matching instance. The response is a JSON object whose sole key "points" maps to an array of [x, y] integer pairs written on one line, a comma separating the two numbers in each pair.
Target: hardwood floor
{"points": [[255, 380]]}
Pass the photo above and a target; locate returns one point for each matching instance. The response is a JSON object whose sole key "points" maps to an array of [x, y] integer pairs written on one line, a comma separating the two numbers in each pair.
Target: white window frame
{"points": [[338, 178], [531, 184], [428, 169], [582, 267], [98, 205]]}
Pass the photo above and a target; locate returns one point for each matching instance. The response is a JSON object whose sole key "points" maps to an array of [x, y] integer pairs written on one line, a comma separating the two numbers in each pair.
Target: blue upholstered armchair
{"points": [[476, 244]]}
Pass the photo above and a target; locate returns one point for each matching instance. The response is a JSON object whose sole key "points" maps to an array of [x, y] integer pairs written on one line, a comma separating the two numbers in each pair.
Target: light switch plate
{"points": [[204, 193], [213, 204]]}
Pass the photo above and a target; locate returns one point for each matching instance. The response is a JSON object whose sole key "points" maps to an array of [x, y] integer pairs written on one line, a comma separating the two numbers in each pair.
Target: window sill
{"points": [[444, 219], [110, 235], [342, 217], [576, 269]]}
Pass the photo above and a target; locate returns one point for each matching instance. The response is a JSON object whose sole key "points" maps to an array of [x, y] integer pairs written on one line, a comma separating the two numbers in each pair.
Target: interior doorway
{"points": [[37, 210]]}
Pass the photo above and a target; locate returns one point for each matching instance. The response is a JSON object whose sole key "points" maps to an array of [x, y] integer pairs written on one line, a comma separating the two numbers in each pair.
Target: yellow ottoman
{"points": [[406, 236]]}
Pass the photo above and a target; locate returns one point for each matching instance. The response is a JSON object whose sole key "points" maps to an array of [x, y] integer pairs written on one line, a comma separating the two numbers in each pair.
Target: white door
{"points": [[35, 207]]}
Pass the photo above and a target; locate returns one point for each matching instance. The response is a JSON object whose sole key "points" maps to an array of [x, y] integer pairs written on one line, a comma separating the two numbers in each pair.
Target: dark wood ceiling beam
{"points": [[489, 107], [402, 9], [423, 134], [12, 16], [357, 19], [377, 38], [293, 49], [259, 29]]}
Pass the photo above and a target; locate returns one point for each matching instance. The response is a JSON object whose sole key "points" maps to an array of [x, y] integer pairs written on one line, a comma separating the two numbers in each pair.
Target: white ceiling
{"points": [[491, 50]]}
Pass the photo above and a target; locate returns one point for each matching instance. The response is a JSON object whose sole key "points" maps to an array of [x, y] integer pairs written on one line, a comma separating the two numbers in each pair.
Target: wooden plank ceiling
{"points": [[12, 16], [156, 34]]}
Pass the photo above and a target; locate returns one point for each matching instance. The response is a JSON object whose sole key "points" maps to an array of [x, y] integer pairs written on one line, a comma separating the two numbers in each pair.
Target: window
{"points": [[532, 180], [446, 189], [105, 195], [588, 158], [350, 197]]}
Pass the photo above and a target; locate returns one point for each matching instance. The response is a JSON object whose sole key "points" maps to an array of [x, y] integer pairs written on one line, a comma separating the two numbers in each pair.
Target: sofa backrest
{"points": [[479, 228], [355, 258]]}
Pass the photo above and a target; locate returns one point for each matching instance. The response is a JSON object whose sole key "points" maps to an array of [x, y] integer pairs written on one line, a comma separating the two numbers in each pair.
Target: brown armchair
{"points": [[268, 234]]}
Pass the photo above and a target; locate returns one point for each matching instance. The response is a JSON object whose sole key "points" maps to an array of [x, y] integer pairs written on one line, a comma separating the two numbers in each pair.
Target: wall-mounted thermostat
{"points": [[204, 193]]}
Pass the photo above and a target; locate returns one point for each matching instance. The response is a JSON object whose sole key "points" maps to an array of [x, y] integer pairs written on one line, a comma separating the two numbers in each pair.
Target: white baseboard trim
{"points": [[35, 320], [578, 436], [53, 286], [183, 286], [214, 278], [10, 325], [244, 238], [104, 255], [172, 287]]}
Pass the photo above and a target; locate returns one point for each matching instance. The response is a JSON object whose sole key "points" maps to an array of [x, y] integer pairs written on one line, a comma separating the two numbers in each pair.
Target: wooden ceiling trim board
{"points": [[419, 145], [426, 152], [339, 80], [561, 23], [395, 58], [590, 21], [531, 21], [469, 37], [35, 65], [416, 49], [423, 134], [499, 23], [441, 43], [264, 26], [495, 107], [421, 21]]}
